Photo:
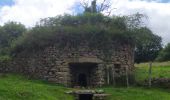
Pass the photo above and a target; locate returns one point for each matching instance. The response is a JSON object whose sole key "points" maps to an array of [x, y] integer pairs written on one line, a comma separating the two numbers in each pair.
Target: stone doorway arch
{"points": [[85, 72]]}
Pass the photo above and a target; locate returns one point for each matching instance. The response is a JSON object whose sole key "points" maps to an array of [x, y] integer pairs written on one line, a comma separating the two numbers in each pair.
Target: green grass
{"points": [[159, 70], [155, 64], [17, 87], [137, 93]]}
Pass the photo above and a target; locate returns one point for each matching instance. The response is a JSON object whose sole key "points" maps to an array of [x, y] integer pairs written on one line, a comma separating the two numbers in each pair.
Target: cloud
{"points": [[29, 12]]}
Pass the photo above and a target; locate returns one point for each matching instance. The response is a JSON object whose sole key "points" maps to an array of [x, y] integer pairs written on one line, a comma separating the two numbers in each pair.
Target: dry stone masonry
{"points": [[75, 67]]}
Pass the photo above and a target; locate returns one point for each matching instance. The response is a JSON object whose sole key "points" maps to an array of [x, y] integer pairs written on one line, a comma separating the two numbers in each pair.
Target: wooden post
{"points": [[127, 77], [150, 74], [108, 76], [113, 75]]}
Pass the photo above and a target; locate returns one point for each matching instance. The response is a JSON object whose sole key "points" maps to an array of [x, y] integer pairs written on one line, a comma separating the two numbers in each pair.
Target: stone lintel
{"points": [[86, 60]]}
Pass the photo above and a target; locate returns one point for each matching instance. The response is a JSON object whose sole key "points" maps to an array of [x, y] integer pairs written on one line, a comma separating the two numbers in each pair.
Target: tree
{"points": [[103, 7], [164, 54], [8, 33], [148, 45], [135, 21]]}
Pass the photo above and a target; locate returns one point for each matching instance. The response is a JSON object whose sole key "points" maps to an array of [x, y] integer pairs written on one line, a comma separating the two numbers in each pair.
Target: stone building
{"points": [[72, 67]]}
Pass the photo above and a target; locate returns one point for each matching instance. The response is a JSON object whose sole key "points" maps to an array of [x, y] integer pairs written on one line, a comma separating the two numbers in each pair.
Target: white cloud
{"points": [[29, 12]]}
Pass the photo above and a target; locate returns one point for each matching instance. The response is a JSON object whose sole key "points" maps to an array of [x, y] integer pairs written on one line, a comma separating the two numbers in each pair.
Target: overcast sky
{"points": [[28, 12]]}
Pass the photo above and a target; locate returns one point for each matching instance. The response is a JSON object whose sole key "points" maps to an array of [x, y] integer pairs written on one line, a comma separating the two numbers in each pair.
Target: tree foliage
{"points": [[148, 45], [9, 32], [164, 54], [95, 7]]}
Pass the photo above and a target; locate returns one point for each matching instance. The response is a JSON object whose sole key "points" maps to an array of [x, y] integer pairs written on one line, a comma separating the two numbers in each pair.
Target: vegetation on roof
{"points": [[100, 31]]}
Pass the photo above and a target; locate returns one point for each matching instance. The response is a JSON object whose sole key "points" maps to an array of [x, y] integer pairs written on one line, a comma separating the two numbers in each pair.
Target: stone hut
{"points": [[80, 66]]}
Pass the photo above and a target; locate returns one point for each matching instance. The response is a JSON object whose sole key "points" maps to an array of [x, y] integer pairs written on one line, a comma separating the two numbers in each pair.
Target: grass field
{"points": [[159, 70], [137, 93], [17, 87]]}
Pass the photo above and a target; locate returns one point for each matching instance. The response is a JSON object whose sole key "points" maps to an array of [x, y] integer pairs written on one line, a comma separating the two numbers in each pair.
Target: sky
{"points": [[28, 12]]}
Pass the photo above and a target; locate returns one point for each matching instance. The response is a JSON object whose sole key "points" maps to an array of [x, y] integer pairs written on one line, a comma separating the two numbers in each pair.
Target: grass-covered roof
{"points": [[98, 30]]}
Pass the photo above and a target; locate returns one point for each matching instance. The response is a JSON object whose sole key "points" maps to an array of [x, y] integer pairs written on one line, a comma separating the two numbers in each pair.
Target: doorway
{"points": [[82, 74], [82, 80]]}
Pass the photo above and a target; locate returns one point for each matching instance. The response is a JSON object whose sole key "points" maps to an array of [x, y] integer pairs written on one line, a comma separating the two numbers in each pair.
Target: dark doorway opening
{"points": [[85, 96], [82, 80], [82, 74]]}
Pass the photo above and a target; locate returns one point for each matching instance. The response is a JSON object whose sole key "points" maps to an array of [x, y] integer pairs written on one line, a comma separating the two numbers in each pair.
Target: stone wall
{"points": [[52, 64]]}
